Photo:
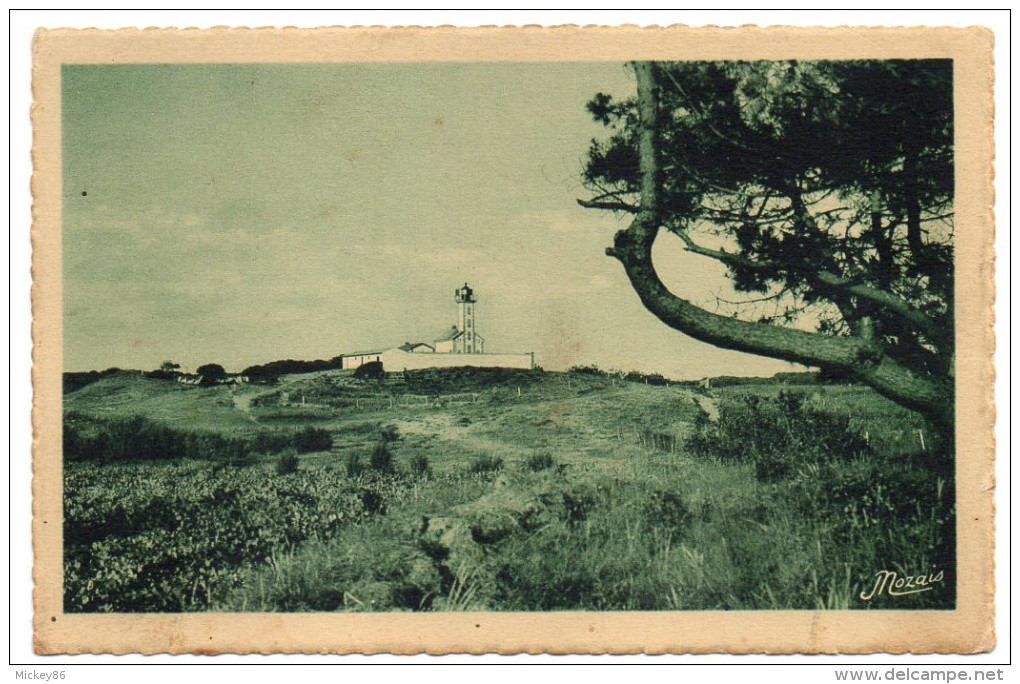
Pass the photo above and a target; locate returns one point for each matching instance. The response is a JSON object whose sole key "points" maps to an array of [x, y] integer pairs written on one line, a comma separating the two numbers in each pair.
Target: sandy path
{"points": [[709, 406]]}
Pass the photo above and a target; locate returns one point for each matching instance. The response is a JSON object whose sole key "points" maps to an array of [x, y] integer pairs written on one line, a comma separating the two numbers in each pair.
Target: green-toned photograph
{"points": [[508, 336]]}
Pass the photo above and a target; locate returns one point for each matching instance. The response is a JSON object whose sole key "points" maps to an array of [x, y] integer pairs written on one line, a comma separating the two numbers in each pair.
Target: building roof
{"points": [[408, 346], [450, 334], [369, 351]]}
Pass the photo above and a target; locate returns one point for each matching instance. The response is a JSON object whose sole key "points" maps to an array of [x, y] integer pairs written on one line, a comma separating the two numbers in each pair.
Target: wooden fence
{"points": [[376, 403]]}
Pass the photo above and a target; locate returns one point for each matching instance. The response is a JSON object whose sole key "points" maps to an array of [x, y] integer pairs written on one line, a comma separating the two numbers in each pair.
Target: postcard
{"points": [[513, 340]]}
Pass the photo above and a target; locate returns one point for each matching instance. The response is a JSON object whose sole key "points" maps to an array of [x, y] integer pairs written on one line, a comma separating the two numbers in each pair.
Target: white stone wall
{"points": [[396, 360], [356, 361]]}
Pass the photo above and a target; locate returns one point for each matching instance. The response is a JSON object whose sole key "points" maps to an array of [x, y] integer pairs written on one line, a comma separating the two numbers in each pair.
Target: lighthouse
{"points": [[460, 345], [462, 338], [468, 341]]}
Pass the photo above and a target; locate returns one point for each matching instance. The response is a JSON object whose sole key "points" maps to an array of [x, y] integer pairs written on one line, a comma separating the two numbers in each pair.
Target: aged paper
{"points": [[247, 196]]}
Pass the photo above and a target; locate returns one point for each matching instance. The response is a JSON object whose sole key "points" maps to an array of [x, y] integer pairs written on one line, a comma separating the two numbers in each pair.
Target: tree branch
{"points": [[613, 206], [633, 248], [828, 280]]}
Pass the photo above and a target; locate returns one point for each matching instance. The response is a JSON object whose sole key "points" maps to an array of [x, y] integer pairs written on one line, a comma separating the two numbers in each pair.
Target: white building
{"points": [[461, 345]]}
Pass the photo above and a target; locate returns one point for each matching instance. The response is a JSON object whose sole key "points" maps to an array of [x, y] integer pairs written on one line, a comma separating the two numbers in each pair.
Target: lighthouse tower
{"points": [[468, 341]]}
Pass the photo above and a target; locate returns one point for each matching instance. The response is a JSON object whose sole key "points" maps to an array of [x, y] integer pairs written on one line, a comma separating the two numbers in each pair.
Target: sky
{"points": [[239, 214]]}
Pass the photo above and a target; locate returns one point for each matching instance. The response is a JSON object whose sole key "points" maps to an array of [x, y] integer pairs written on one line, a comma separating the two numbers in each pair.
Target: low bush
{"points": [[312, 439], [485, 464], [647, 378], [539, 462], [630, 376], [160, 374], [381, 459], [776, 434], [373, 370], [460, 379], [589, 370], [667, 509], [389, 433], [354, 465], [288, 462], [170, 537], [270, 371], [141, 439], [373, 501], [75, 381], [420, 465]]}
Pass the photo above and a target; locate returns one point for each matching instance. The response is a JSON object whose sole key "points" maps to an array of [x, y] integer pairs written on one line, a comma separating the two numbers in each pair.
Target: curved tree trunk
{"points": [[860, 357]]}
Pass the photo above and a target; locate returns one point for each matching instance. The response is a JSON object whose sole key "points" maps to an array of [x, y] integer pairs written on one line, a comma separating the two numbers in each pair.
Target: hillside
{"points": [[475, 409], [575, 415], [473, 489]]}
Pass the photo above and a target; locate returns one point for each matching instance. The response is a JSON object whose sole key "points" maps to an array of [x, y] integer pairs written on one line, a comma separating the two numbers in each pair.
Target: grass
{"points": [[578, 495]]}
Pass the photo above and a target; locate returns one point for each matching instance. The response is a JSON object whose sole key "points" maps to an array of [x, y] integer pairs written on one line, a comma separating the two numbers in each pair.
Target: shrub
{"points": [[75, 381], [578, 503], [312, 439], [539, 462], [589, 370], [381, 459], [269, 441], [238, 454], [667, 508], [389, 433], [169, 538], [354, 465], [211, 372], [373, 370], [373, 501], [420, 465], [140, 439], [288, 462], [775, 434], [461, 379], [648, 379], [270, 371], [485, 464]]}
